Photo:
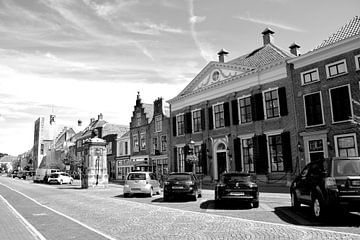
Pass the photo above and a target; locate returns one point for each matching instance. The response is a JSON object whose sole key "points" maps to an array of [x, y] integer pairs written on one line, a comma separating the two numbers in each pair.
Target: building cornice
{"points": [[326, 52]]}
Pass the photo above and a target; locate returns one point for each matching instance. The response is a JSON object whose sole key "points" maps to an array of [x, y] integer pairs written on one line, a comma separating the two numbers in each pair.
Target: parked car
{"points": [[328, 184], [182, 184], [13, 173], [42, 174], [60, 178], [237, 186], [24, 174], [141, 182]]}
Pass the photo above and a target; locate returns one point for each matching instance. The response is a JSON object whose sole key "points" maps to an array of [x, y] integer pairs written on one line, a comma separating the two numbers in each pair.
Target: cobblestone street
{"points": [[105, 211]]}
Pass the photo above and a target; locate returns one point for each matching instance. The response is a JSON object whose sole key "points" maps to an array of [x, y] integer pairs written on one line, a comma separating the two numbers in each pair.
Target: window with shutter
{"points": [[340, 103], [219, 115], [276, 153], [210, 115], [271, 100], [196, 120], [248, 154], [283, 101], [235, 113], [237, 154], [245, 106], [313, 109]]}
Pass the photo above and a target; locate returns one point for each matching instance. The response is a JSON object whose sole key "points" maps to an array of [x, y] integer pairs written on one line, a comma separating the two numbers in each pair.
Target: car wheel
{"points": [[71, 181], [151, 192], [194, 198], [318, 207], [294, 200], [61, 182]]}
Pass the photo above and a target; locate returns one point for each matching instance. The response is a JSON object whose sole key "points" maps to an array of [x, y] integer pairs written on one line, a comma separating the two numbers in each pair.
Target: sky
{"points": [[79, 58]]}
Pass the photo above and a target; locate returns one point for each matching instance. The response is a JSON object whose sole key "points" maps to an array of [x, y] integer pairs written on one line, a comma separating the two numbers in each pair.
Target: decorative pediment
{"points": [[214, 73]]}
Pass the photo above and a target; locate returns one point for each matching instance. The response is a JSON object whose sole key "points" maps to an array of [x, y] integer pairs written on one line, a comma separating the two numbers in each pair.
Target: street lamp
{"points": [[98, 152], [192, 158]]}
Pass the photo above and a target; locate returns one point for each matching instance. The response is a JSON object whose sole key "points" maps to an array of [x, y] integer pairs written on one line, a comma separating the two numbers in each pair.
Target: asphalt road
{"points": [[68, 212]]}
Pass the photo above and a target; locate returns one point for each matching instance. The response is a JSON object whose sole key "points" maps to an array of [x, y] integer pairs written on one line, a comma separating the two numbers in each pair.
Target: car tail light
{"points": [[330, 182]]}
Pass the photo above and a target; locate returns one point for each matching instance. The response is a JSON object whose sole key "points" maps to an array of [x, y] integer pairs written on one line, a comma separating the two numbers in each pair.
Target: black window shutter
{"points": [[253, 112], [227, 114], [235, 112], [211, 123], [341, 105], [174, 126], [202, 119], [260, 154], [175, 160], [282, 101], [237, 153], [259, 107], [286, 149], [203, 158], [188, 125]]}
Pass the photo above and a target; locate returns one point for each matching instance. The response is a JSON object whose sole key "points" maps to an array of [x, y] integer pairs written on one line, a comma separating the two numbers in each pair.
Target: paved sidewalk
{"points": [[12, 226]]}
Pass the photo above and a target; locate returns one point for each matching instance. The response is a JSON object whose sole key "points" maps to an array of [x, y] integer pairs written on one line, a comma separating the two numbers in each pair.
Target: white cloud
{"points": [[206, 50], [269, 23], [150, 28]]}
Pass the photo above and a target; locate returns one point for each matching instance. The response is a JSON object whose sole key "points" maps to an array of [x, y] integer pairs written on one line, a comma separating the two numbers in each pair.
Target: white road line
{"points": [[55, 211], [36, 234]]}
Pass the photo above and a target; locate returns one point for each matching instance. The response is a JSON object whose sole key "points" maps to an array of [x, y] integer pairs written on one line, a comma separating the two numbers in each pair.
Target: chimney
{"points": [[267, 36], [294, 49], [79, 123], [92, 120], [222, 54], [100, 116]]}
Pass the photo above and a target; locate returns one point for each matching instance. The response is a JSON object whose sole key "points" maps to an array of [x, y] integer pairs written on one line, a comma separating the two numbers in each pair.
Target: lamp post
{"points": [[191, 155], [98, 152]]}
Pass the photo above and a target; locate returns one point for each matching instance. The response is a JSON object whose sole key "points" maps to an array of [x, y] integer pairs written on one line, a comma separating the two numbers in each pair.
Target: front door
{"points": [[221, 163]]}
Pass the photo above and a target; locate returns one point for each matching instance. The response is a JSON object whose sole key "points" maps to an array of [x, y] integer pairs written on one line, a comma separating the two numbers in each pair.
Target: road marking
{"points": [[55, 211], [36, 234]]}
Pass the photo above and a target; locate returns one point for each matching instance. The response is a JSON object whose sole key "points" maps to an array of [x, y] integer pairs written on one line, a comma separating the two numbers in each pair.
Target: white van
{"points": [[42, 173]]}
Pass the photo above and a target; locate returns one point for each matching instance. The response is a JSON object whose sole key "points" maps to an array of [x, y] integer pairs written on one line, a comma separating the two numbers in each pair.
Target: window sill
{"points": [[318, 125], [341, 74], [309, 83]]}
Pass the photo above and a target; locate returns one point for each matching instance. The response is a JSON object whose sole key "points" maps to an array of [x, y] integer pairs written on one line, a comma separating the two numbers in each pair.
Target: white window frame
{"points": [[307, 72], [245, 137], [192, 120], [357, 60], [136, 149], [327, 66], [142, 136], [161, 146], [350, 101], [177, 129], [269, 134], [213, 112], [345, 135], [264, 102], [239, 112], [322, 110], [158, 119]]}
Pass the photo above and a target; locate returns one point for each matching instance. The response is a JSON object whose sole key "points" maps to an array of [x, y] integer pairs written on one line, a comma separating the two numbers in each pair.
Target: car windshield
{"points": [[137, 176], [180, 177], [236, 178], [54, 175], [346, 167]]}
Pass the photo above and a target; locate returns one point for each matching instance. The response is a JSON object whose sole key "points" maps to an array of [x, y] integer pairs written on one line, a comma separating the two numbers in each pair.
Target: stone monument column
{"points": [[95, 174]]}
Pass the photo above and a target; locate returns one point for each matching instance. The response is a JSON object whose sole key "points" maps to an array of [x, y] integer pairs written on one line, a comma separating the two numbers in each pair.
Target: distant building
{"points": [[123, 163]]}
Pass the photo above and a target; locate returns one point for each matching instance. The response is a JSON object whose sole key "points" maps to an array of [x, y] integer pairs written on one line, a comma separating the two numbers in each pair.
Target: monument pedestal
{"points": [[95, 174]]}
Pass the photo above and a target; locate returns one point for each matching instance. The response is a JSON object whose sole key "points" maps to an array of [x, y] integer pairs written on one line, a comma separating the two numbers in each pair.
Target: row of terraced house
{"points": [[268, 112]]}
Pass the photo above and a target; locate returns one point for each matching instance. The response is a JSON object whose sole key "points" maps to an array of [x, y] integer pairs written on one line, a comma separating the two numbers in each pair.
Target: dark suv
{"points": [[182, 184], [328, 184]]}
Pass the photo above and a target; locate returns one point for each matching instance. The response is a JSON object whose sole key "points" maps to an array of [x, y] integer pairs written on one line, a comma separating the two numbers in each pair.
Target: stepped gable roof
{"points": [[262, 56], [110, 128], [350, 29], [149, 111], [7, 158]]}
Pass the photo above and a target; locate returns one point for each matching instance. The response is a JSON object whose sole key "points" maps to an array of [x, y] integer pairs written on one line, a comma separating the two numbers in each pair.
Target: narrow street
{"points": [[68, 212]]}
